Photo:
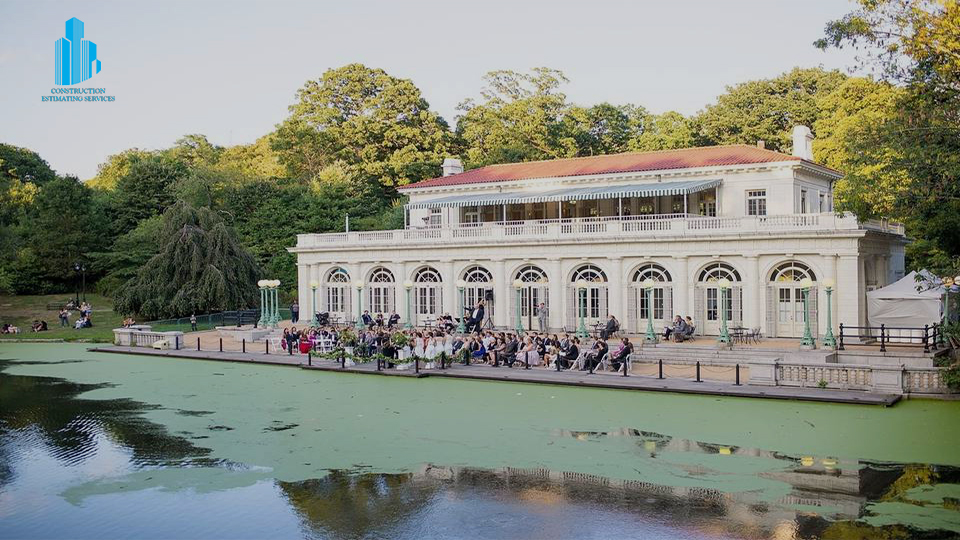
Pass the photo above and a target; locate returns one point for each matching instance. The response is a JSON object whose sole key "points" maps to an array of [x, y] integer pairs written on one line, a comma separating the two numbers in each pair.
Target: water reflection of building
{"points": [[820, 488]]}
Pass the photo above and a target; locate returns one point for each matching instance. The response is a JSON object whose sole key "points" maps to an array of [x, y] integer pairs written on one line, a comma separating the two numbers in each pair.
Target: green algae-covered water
{"points": [[99, 445]]}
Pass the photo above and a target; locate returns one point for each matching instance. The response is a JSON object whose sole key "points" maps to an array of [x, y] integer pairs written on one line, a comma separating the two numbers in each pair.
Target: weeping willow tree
{"points": [[200, 267]]}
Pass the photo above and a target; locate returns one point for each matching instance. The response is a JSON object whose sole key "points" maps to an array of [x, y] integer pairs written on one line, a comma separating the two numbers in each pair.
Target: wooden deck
{"points": [[534, 375]]}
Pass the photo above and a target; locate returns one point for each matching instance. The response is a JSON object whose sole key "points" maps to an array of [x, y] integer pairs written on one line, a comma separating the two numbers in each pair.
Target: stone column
{"points": [[303, 287], [399, 292], [752, 293], [681, 289], [314, 276], [849, 292], [449, 277], [501, 290], [555, 275], [616, 291]]}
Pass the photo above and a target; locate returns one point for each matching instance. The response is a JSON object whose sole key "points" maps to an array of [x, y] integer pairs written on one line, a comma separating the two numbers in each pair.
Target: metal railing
{"points": [[930, 336]]}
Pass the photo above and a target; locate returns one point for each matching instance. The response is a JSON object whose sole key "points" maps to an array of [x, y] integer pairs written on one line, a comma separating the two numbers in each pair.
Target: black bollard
{"points": [[309, 358], [590, 369], [660, 363], [378, 363], [556, 362], [738, 376], [343, 361], [198, 344], [625, 361], [526, 362], [416, 364], [698, 371], [221, 344], [266, 347], [244, 344], [466, 358]]}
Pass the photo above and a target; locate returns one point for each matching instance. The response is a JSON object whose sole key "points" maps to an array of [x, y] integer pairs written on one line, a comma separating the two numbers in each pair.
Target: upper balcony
{"points": [[595, 228]]}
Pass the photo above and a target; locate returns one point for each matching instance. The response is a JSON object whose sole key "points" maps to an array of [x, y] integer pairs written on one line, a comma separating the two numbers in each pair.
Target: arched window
{"points": [[427, 291], [338, 275], [477, 274], [718, 270], [381, 291], [534, 293], [652, 271], [338, 290], [792, 271], [596, 291], [427, 275], [590, 273], [662, 295], [479, 283], [531, 274], [732, 297]]}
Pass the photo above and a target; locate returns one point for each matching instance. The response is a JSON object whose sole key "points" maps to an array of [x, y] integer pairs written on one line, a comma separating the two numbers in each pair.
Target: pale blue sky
{"points": [[230, 69]]}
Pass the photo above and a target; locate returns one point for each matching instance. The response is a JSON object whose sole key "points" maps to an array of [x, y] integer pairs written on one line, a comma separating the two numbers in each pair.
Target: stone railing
{"points": [[596, 228], [142, 336], [889, 379], [924, 381]]}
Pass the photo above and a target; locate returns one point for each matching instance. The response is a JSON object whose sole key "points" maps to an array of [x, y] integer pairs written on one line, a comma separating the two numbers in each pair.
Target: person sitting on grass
{"points": [[39, 326]]}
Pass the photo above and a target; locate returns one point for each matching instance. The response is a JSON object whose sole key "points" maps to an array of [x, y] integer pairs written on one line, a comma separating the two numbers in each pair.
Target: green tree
{"points": [[257, 160], [145, 190], [605, 128], [200, 267], [916, 45], [116, 167], [381, 126], [195, 150], [521, 118], [666, 131], [22, 172], [61, 228], [766, 109]]}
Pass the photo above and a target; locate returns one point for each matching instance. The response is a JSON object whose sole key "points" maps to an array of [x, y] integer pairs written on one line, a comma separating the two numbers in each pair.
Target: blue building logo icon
{"points": [[76, 58]]}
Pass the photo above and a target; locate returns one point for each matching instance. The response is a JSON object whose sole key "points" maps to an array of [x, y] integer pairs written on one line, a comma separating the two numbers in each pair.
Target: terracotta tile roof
{"points": [[707, 156]]}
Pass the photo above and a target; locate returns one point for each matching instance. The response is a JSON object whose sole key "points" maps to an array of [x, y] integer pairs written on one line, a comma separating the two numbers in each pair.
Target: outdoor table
{"points": [[737, 333]]}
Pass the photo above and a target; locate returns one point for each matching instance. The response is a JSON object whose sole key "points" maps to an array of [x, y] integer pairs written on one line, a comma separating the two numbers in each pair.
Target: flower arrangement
{"points": [[400, 340], [348, 337]]}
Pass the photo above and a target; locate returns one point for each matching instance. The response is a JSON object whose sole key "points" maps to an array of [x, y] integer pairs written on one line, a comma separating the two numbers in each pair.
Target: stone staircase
{"points": [[709, 353]]}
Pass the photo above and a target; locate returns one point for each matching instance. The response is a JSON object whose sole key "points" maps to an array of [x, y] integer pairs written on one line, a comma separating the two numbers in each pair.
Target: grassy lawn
{"points": [[23, 310]]}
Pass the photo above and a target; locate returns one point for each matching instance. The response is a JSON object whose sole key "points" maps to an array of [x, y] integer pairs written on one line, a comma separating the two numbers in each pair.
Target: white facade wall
{"points": [[856, 258]]}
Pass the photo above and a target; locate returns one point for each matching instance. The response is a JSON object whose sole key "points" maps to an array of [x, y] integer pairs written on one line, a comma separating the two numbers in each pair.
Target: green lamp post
{"points": [[314, 321], [829, 340], [408, 285], [262, 284], [518, 287], [275, 290], [648, 284], [461, 285], [359, 286], [808, 340], [722, 285], [582, 308]]}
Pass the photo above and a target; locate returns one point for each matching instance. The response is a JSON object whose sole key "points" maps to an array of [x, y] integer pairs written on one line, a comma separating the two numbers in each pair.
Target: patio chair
{"points": [[753, 334]]}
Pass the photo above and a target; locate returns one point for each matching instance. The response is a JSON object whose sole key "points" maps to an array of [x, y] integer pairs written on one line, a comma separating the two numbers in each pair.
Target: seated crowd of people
{"points": [[510, 349]]}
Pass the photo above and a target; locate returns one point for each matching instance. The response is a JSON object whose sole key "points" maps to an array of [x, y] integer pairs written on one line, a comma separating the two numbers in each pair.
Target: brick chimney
{"points": [[452, 166]]}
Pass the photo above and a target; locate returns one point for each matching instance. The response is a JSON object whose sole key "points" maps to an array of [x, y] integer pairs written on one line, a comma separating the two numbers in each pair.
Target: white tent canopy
{"points": [[902, 305]]}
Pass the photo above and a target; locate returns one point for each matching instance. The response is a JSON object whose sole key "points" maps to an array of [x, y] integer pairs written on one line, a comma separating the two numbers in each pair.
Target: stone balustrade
{"points": [[680, 225], [141, 335]]}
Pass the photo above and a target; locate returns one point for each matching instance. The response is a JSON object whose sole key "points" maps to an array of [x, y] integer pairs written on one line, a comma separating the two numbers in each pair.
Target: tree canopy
{"points": [[200, 267]]}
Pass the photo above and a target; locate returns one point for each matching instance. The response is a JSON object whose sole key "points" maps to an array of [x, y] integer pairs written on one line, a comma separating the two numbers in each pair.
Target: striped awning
{"points": [[653, 189]]}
